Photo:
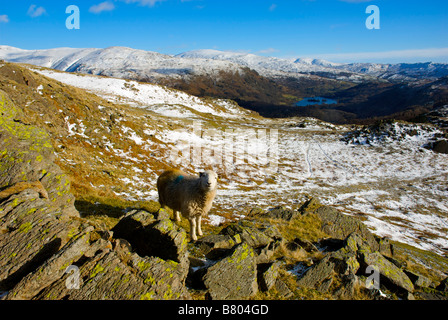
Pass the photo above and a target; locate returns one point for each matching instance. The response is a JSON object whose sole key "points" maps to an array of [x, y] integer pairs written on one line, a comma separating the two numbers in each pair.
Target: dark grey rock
{"points": [[234, 277], [340, 226], [317, 274], [281, 213], [443, 286], [389, 272], [268, 275]]}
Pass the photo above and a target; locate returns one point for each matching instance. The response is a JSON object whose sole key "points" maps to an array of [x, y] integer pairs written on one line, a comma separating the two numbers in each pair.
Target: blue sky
{"points": [[410, 31]]}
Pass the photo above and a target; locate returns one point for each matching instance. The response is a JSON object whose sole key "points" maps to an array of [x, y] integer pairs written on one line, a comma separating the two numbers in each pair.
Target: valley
{"points": [[365, 92], [113, 137]]}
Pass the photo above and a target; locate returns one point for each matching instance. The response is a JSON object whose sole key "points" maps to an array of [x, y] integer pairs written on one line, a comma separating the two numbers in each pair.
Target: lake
{"points": [[315, 101]]}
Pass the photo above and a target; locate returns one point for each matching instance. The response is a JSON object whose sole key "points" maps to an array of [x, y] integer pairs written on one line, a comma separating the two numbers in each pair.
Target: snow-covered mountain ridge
{"points": [[131, 63], [119, 62]]}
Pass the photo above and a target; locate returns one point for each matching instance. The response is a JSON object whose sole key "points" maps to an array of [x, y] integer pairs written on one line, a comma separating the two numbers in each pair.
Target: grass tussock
{"points": [[306, 227]]}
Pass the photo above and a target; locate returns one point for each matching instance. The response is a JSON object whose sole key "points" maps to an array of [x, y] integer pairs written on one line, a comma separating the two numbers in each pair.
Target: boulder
{"points": [[267, 275], [281, 213], [389, 273], [348, 288], [55, 267], [215, 246], [440, 146], [27, 156], [234, 277], [319, 276], [310, 205], [254, 235], [263, 238], [108, 277], [340, 226], [419, 280], [282, 289], [431, 260], [266, 254], [151, 237]]}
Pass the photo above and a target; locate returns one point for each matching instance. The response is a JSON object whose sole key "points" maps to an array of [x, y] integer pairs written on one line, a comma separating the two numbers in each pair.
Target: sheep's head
{"points": [[208, 180]]}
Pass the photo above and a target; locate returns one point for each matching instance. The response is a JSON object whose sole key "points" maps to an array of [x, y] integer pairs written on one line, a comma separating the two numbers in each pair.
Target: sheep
{"points": [[188, 195]]}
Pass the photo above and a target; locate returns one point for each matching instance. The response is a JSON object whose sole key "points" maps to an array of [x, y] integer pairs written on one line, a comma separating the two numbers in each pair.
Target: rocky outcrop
{"points": [[387, 131], [49, 252], [35, 222], [234, 264], [339, 226], [234, 277], [440, 146]]}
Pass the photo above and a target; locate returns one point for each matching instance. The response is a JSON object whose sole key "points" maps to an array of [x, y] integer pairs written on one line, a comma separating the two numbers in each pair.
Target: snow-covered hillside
{"points": [[158, 99]]}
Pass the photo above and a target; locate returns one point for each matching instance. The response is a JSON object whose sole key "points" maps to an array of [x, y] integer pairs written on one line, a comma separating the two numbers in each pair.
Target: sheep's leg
{"points": [[193, 229], [177, 216], [198, 225]]}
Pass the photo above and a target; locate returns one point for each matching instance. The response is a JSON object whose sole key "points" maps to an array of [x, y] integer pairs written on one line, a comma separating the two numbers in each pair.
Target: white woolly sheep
{"points": [[188, 195]]}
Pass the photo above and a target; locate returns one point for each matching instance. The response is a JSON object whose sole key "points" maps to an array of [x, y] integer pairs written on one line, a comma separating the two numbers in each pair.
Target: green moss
{"points": [[8, 114], [25, 227], [147, 296], [98, 269], [168, 294], [142, 265], [166, 226], [73, 231], [247, 250], [149, 279]]}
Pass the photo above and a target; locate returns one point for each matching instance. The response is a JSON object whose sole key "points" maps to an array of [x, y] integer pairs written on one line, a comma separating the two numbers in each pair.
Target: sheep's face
{"points": [[208, 180]]}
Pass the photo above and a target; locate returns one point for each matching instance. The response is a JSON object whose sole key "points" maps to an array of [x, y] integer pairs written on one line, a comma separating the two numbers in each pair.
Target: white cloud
{"points": [[103, 6], [273, 7], [4, 18], [147, 3], [35, 11], [423, 55], [269, 50]]}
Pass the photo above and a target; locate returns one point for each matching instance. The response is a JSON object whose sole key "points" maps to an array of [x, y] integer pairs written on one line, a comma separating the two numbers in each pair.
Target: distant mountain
{"points": [[146, 65], [275, 67], [270, 66], [118, 62], [401, 71]]}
